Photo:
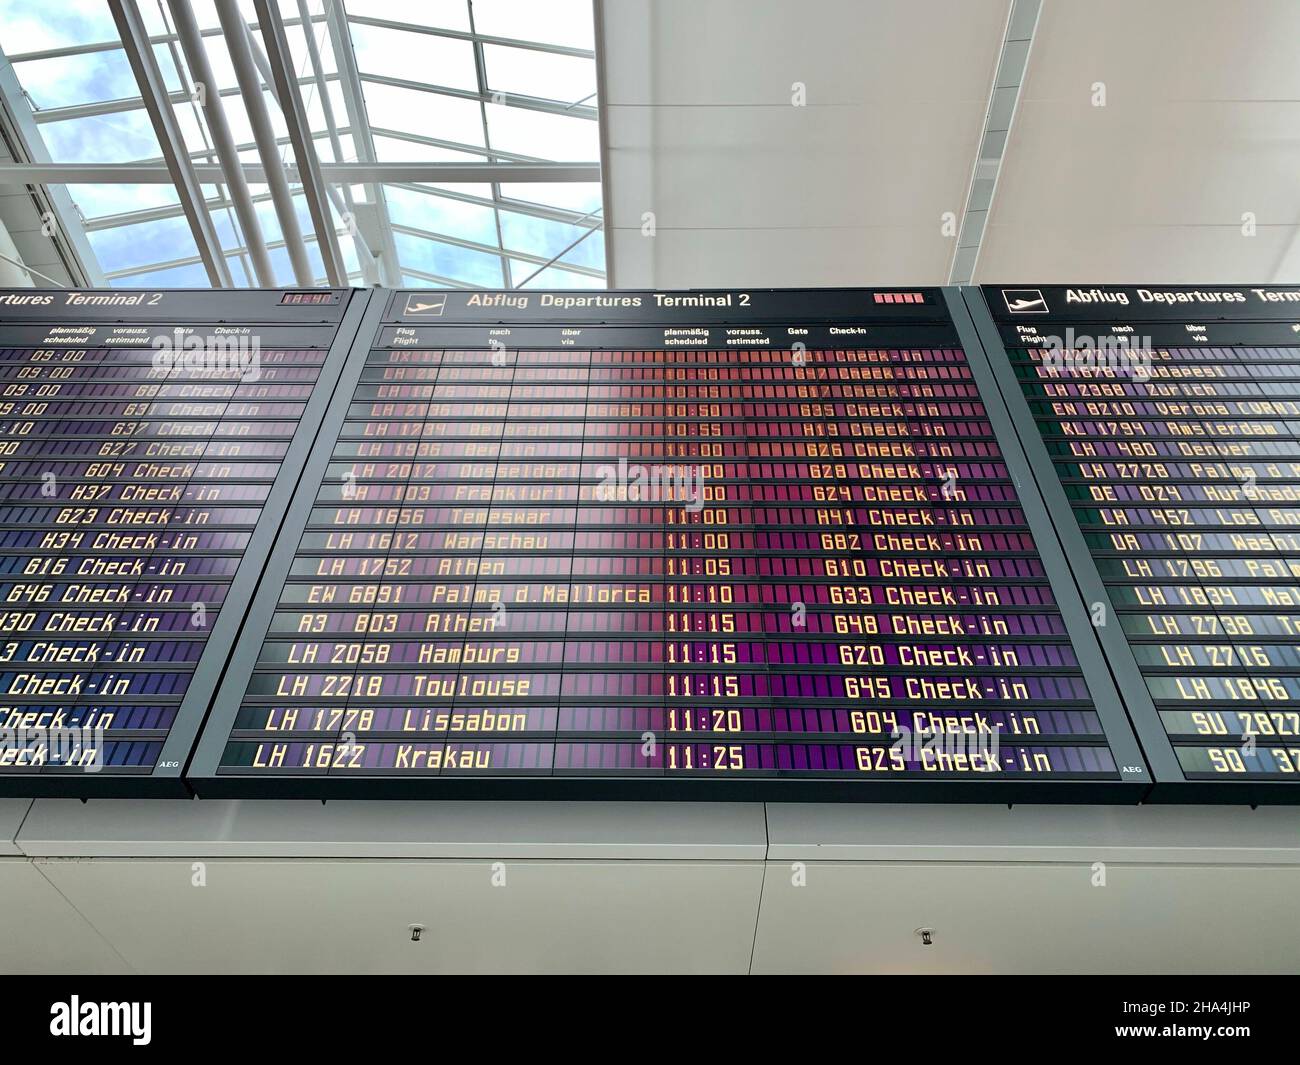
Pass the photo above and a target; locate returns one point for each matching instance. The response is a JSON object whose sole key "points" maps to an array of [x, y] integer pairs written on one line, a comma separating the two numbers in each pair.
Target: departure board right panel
{"points": [[1168, 447]]}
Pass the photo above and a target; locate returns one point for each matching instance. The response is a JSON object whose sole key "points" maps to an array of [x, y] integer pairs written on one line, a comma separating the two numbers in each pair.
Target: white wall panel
{"points": [[41, 933], [748, 189], [308, 916], [1202, 101], [1029, 918]]}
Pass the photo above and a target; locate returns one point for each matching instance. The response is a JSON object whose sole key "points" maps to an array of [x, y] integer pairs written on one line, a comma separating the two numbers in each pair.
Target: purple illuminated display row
{"points": [[147, 472], [14, 492], [670, 564], [119, 594], [1242, 517], [683, 683], [157, 428], [438, 758], [838, 621], [121, 516], [122, 449], [874, 400], [539, 419], [706, 491], [87, 394], [121, 570], [1126, 448], [565, 462], [139, 411], [522, 650], [112, 359], [579, 363], [144, 653], [683, 591], [1220, 429], [454, 541], [143, 380], [1177, 411], [139, 541], [109, 716], [1204, 493], [395, 722], [60, 685], [129, 622], [490, 513]]}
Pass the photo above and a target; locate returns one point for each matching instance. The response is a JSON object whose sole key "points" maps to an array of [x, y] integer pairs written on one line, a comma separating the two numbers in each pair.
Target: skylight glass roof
{"points": [[388, 82]]}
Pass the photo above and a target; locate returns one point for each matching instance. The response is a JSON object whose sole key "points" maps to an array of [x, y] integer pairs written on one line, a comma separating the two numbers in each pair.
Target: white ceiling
{"points": [[1201, 124], [747, 188]]}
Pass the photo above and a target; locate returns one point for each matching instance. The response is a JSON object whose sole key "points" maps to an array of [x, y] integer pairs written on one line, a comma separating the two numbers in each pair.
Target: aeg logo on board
{"points": [[1025, 300]]}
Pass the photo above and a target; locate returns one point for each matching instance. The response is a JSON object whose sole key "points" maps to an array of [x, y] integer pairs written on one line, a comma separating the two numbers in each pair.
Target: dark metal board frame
{"points": [[1128, 752], [206, 780], [167, 779], [1170, 783]]}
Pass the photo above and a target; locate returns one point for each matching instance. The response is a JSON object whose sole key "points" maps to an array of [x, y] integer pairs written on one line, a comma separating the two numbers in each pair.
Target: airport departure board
{"points": [[727, 544], [149, 441], [1168, 444]]}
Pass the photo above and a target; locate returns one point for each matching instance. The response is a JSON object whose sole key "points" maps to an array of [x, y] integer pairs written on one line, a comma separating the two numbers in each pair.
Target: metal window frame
{"points": [[316, 169], [148, 75]]}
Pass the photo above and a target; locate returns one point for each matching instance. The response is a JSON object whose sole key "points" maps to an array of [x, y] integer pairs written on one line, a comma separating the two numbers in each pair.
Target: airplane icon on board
{"points": [[1024, 301], [433, 305]]}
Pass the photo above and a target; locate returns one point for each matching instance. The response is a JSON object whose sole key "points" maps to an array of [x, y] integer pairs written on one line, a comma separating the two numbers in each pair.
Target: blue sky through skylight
{"points": [[465, 234]]}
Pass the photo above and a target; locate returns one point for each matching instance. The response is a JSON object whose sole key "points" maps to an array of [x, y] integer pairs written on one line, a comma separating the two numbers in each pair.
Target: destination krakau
{"points": [[1200, 297]]}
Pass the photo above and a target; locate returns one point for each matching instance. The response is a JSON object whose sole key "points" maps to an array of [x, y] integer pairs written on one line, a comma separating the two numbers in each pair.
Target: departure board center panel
{"points": [[1168, 443], [149, 442], [665, 545]]}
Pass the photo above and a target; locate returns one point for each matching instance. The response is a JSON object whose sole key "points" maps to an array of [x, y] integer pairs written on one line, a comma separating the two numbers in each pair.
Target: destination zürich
{"points": [[1033, 543]]}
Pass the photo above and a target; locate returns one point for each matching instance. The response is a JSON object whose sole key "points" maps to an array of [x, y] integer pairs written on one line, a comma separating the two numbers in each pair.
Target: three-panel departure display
{"points": [[1025, 544]]}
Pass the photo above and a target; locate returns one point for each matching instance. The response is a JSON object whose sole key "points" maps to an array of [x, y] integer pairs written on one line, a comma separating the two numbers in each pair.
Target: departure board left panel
{"points": [[149, 442]]}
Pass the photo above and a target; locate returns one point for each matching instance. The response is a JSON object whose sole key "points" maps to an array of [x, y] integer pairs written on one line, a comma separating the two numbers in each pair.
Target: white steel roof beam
{"points": [[223, 141], [358, 173], [139, 52], [1017, 41], [304, 148], [241, 58]]}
